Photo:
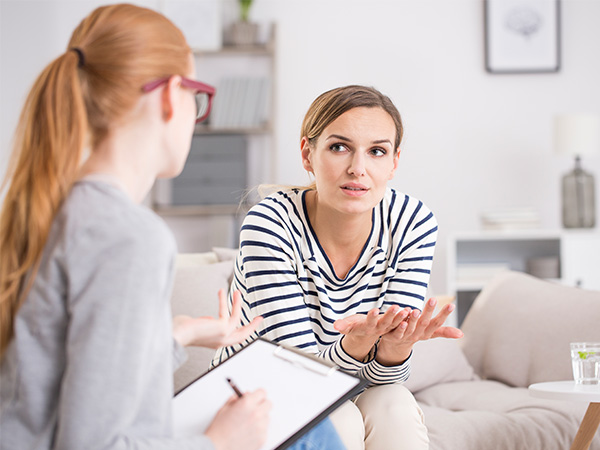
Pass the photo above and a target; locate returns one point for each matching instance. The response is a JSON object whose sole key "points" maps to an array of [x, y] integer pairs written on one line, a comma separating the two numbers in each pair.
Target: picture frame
{"points": [[522, 36]]}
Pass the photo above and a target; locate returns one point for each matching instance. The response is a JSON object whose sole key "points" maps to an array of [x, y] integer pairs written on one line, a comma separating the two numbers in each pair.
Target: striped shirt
{"points": [[285, 276]]}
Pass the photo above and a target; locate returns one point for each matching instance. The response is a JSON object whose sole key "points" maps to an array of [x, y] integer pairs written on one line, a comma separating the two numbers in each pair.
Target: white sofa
{"points": [[473, 391]]}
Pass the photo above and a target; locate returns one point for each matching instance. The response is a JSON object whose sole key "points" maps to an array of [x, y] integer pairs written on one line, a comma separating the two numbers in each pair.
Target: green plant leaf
{"points": [[245, 9], [585, 355]]}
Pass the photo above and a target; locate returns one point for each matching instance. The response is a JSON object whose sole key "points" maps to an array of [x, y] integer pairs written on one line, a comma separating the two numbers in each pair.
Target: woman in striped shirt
{"points": [[340, 268]]}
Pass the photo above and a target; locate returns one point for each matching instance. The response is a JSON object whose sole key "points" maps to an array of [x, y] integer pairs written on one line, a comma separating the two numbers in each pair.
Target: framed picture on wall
{"points": [[522, 36]]}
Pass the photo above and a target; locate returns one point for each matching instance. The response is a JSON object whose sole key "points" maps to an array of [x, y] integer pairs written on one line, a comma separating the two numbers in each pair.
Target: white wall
{"points": [[32, 34], [474, 141]]}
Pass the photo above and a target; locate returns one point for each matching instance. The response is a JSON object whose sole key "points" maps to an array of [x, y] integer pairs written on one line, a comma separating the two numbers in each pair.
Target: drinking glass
{"points": [[585, 357]]}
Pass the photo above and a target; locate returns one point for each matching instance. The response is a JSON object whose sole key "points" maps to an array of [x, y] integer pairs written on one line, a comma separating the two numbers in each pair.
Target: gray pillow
{"points": [[225, 253], [437, 361]]}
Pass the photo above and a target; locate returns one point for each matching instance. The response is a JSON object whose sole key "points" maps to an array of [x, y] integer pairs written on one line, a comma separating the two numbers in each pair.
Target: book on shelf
{"points": [[250, 99], [217, 115], [510, 219], [262, 105], [241, 102], [237, 100]]}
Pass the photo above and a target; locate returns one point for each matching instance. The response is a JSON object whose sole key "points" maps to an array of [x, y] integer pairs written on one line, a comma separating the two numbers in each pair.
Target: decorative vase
{"points": [[578, 207], [242, 33]]}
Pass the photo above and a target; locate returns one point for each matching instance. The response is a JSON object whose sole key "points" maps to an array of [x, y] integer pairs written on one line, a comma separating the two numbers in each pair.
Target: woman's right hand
{"points": [[361, 331], [241, 423]]}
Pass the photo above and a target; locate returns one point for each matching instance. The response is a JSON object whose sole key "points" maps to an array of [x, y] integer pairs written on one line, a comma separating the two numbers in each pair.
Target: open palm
{"points": [[213, 332]]}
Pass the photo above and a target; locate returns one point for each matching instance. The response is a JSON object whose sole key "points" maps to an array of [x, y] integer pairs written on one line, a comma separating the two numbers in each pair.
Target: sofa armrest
{"points": [[519, 329]]}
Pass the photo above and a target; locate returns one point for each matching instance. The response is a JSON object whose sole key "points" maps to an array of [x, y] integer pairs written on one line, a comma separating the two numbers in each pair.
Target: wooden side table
{"points": [[568, 390]]}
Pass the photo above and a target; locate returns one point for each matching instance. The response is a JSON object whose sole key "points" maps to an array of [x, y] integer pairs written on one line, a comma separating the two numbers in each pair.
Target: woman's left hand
{"points": [[214, 333], [396, 345]]}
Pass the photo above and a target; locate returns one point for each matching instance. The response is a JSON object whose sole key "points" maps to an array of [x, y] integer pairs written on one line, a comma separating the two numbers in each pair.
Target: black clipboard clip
{"points": [[304, 360]]}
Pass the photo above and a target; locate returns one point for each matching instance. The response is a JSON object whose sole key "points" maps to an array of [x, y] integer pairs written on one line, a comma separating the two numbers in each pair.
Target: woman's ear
{"points": [[396, 158], [168, 97], [305, 149]]}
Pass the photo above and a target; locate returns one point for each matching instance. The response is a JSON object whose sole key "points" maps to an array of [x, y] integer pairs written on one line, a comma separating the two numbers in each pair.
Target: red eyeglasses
{"points": [[203, 94]]}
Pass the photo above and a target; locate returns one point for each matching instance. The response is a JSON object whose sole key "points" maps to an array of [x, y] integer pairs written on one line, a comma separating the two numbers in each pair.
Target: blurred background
{"points": [[477, 142]]}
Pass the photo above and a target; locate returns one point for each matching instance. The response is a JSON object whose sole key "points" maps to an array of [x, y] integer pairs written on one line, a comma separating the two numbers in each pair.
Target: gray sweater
{"points": [[91, 363]]}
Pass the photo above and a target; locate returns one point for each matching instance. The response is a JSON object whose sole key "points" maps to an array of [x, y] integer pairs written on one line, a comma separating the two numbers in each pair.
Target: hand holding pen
{"points": [[234, 387], [244, 418]]}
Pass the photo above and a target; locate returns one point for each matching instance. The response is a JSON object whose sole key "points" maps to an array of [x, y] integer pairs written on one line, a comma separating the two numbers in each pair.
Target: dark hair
{"points": [[332, 104]]}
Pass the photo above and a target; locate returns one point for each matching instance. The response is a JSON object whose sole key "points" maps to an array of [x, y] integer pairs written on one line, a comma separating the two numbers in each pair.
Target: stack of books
{"points": [[510, 219], [241, 102]]}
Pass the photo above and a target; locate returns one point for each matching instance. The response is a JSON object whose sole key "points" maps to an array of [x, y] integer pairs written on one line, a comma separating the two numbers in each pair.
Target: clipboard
{"points": [[302, 388]]}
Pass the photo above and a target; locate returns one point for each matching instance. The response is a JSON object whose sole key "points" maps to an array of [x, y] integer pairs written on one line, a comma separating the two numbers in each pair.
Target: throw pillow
{"points": [[195, 288], [225, 253], [437, 361]]}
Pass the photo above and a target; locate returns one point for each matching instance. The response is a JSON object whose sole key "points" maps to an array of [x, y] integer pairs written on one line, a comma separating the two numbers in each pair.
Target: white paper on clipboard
{"points": [[302, 390]]}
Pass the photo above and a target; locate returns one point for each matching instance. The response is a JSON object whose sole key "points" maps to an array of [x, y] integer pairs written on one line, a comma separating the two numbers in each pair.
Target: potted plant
{"points": [[245, 9], [243, 31]]}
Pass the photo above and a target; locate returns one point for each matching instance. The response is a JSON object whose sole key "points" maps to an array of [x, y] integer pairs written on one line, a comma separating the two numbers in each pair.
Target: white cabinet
{"points": [[565, 256]]}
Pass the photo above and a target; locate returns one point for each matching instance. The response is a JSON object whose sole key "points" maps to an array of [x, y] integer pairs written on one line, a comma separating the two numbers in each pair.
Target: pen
{"points": [[234, 387]]}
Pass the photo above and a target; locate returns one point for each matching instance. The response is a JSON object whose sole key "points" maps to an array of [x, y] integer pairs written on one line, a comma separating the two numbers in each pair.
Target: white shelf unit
{"points": [[217, 224], [484, 253]]}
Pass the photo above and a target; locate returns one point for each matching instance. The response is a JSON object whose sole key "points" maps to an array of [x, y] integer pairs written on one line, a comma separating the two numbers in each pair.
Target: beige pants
{"points": [[384, 417]]}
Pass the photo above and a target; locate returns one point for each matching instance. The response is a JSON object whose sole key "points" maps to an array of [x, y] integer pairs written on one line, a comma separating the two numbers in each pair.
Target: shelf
{"points": [[567, 257], [469, 286], [237, 50], [208, 130], [200, 210], [476, 286], [503, 235], [264, 49]]}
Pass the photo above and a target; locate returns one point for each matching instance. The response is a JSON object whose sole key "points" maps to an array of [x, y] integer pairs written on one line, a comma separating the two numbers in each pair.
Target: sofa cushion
{"points": [[437, 361], [519, 329], [225, 253], [483, 414], [195, 259], [198, 279], [195, 288]]}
